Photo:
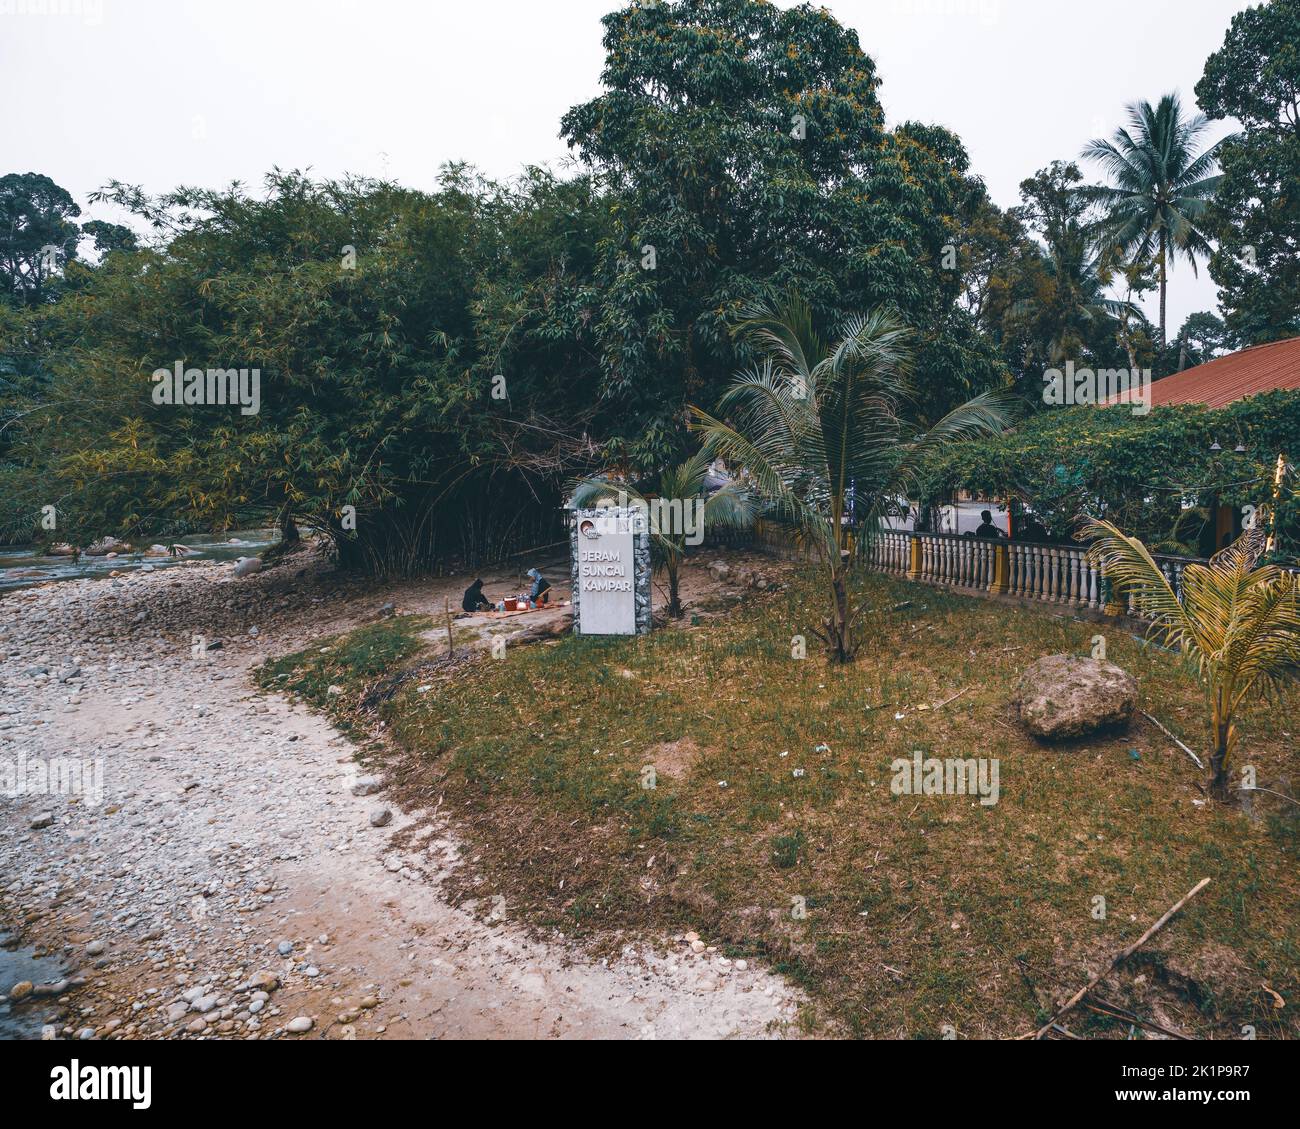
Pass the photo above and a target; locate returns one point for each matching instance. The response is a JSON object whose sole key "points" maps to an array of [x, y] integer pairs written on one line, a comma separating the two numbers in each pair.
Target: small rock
{"points": [[300, 1025], [42, 820], [381, 817], [367, 785], [21, 990]]}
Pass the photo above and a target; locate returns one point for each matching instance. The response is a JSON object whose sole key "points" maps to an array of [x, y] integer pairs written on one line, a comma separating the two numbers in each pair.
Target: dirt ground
{"points": [[229, 881]]}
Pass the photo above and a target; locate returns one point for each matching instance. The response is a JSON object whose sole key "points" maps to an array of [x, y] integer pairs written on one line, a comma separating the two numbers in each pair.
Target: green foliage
{"points": [[1255, 78], [35, 214], [1072, 464], [729, 508], [1039, 290], [826, 433], [1161, 183], [376, 374], [745, 144], [1239, 621]]}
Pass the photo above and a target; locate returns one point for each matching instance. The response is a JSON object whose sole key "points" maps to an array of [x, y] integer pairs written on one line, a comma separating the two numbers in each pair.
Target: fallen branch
{"points": [[1119, 958], [949, 701], [1174, 739], [1114, 1011], [1279, 795]]}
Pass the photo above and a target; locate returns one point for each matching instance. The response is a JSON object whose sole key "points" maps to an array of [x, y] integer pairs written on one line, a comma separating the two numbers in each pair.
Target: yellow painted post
{"points": [[914, 561], [1001, 569], [1116, 604], [1279, 476]]}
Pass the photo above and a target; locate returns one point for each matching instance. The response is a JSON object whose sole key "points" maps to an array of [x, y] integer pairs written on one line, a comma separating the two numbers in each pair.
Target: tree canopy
{"points": [[1255, 78]]}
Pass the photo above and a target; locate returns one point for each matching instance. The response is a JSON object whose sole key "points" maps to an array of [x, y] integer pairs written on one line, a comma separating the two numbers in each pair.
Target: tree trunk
{"points": [[675, 610], [1222, 726], [1163, 288], [1219, 773], [839, 642], [288, 527]]}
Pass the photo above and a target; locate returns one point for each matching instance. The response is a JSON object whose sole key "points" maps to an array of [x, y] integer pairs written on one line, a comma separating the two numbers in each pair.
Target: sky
{"points": [[204, 92]]}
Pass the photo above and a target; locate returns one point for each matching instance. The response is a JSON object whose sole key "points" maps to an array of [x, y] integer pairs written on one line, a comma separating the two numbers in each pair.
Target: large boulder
{"points": [[1064, 696]]}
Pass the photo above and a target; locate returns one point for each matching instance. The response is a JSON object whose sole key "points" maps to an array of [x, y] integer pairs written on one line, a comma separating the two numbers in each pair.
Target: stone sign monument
{"points": [[611, 571]]}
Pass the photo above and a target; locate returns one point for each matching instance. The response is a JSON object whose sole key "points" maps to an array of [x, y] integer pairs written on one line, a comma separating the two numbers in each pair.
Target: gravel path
{"points": [[228, 883]]}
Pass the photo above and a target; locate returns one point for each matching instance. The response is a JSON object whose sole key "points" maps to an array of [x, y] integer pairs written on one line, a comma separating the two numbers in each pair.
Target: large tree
{"points": [[1161, 183], [1255, 78], [378, 319], [1059, 308], [745, 144], [37, 236]]}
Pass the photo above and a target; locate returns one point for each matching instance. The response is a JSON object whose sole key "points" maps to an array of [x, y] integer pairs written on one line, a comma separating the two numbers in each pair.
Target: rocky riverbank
{"points": [[214, 874]]}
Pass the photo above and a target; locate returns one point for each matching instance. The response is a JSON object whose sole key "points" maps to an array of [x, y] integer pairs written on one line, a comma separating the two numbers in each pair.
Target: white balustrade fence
{"points": [[1053, 574]]}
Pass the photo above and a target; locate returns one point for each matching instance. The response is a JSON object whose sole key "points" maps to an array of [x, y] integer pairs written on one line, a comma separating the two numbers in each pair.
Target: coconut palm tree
{"points": [[1238, 622], [730, 507], [1160, 188], [1069, 310], [819, 429]]}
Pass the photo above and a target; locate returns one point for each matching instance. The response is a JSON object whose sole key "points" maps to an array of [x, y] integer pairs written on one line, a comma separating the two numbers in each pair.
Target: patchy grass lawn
{"points": [[921, 912]]}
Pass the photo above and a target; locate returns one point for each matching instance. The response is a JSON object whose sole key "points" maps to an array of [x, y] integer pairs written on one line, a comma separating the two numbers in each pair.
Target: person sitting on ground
{"points": [[541, 590], [474, 600], [988, 529]]}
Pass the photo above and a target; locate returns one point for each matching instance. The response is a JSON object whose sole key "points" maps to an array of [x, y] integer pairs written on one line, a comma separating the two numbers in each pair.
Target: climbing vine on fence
{"points": [[1156, 476]]}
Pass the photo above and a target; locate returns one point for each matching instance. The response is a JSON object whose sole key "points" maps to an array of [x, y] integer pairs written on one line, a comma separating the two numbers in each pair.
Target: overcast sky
{"points": [[203, 92]]}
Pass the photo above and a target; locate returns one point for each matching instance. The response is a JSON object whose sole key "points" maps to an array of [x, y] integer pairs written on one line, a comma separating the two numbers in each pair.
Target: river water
{"points": [[25, 1020], [21, 567]]}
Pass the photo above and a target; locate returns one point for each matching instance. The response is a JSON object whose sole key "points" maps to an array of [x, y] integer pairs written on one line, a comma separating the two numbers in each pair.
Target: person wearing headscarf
{"points": [[540, 591]]}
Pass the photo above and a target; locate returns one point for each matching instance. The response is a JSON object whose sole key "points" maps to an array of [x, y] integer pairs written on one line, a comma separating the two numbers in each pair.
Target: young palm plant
{"points": [[1160, 187], [818, 427], [1238, 622], [731, 507]]}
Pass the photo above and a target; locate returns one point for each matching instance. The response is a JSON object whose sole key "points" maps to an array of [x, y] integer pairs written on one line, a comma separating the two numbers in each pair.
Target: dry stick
{"points": [[1094, 1002], [1119, 957], [451, 646], [1174, 739], [949, 701], [1114, 1011]]}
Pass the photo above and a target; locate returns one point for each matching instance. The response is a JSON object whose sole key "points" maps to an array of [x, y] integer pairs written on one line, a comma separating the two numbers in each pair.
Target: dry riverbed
{"points": [[229, 883]]}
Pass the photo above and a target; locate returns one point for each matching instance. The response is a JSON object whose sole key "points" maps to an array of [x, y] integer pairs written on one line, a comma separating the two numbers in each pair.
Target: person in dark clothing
{"points": [[1029, 528], [540, 592], [988, 529], [474, 600]]}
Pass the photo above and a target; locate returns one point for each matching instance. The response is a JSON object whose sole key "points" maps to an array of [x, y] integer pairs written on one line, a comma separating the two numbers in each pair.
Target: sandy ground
{"points": [[228, 883]]}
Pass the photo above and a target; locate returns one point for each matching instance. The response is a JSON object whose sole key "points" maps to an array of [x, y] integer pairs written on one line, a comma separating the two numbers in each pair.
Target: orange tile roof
{"points": [[1262, 368]]}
